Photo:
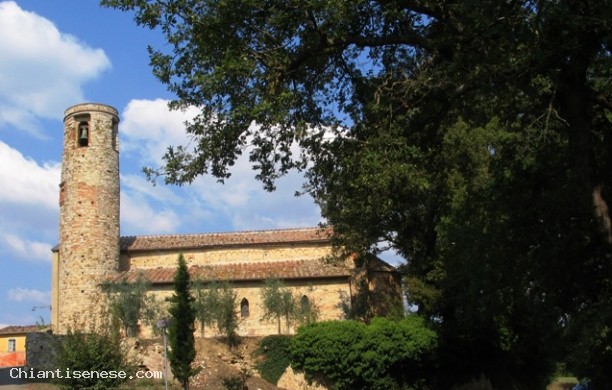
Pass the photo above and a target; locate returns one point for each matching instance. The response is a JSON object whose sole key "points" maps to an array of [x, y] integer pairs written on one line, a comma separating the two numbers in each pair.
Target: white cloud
{"points": [[139, 217], [149, 127], [30, 183], [28, 249], [29, 295], [41, 69], [248, 206], [132, 184]]}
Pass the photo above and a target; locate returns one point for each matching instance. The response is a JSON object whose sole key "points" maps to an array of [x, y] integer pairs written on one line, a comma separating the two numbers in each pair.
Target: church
{"points": [[91, 251]]}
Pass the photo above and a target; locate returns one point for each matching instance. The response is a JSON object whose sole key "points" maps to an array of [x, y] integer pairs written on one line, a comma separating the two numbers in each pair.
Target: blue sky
{"points": [[57, 53]]}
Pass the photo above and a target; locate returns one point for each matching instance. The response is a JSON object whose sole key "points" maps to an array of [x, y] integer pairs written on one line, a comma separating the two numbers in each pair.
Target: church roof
{"points": [[252, 271], [190, 241], [210, 240]]}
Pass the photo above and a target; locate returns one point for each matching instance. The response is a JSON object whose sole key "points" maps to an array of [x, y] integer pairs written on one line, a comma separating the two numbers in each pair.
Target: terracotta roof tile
{"points": [[189, 241], [296, 269], [13, 329]]}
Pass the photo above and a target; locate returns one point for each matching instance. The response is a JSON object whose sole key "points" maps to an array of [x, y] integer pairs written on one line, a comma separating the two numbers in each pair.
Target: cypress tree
{"points": [[180, 331]]}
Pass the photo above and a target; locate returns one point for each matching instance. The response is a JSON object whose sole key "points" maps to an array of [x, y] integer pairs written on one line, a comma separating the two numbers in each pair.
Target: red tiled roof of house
{"points": [[190, 241], [295, 269], [14, 329]]}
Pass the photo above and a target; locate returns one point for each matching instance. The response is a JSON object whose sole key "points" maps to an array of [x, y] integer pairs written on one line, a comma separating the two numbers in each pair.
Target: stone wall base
{"points": [[292, 380]]}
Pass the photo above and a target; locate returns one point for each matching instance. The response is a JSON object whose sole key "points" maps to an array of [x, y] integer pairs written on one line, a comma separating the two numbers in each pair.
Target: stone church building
{"points": [[92, 252]]}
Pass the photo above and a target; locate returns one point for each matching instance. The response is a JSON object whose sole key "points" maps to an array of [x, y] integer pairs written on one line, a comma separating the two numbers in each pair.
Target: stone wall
{"points": [[296, 380], [42, 350], [325, 294], [227, 255]]}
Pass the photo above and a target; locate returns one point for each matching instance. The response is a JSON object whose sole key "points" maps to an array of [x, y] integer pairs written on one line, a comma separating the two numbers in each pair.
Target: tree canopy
{"points": [[473, 137]]}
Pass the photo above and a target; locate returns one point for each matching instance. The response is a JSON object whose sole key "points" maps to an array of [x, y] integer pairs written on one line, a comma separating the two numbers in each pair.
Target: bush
{"points": [[384, 355], [233, 383], [275, 350], [100, 352], [237, 382]]}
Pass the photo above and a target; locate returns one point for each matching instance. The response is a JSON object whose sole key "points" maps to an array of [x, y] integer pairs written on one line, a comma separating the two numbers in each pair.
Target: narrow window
{"points": [[305, 304], [12, 345], [83, 134], [114, 136], [244, 308]]}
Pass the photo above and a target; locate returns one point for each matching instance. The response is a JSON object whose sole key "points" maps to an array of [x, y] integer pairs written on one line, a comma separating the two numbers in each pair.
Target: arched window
{"points": [[305, 304], [244, 308]]}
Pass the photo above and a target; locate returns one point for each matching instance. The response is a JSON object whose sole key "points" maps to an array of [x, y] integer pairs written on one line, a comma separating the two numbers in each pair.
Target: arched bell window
{"points": [[83, 134], [244, 308]]}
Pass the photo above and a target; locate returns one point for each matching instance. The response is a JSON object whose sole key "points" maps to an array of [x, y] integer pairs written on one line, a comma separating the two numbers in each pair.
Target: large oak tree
{"points": [[473, 137]]}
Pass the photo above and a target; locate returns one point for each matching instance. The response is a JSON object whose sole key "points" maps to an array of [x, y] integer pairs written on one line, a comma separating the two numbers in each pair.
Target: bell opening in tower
{"points": [[83, 134]]}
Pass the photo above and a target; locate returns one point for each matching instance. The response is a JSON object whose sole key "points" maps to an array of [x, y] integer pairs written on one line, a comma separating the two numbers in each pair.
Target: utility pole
{"points": [[163, 325]]}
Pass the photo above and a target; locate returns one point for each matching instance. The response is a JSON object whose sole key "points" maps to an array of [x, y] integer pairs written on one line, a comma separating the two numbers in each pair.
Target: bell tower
{"points": [[88, 251]]}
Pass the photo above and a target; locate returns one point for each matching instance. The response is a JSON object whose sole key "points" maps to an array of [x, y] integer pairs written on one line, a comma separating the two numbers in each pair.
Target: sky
{"points": [[58, 53]]}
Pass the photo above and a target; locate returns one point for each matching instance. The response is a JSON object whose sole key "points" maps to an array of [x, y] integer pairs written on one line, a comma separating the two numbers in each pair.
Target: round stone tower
{"points": [[88, 252]]}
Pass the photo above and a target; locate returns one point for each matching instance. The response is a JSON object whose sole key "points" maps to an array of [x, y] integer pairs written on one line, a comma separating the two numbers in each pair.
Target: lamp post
{"points": [[163, 325]]}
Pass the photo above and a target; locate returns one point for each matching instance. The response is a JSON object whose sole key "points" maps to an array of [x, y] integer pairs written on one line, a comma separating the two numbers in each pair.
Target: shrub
{"points": [[233, 383], [326, 348], [275, 350], [98, 352], [237, 382], [384, 355]]}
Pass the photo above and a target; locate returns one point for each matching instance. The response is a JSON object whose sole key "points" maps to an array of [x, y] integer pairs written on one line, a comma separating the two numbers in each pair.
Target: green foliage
{"points": [[472, 137], [237, 382], [128, 302], [589, 355], [226, 316], [233, 383], [100, 351], [358, 307], [276, 357], [215, 304], [384, 355], [180, 332], [280, 303], [204, 304], [154, 310]]}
